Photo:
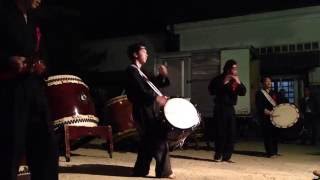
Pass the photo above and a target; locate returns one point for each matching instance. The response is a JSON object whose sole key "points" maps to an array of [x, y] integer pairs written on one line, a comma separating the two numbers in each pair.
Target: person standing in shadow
{"points": [[26, 129], [309, 112]]}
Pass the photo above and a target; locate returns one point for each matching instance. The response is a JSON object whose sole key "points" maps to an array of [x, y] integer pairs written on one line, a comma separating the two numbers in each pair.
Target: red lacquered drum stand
{"points": [[76, 132]]}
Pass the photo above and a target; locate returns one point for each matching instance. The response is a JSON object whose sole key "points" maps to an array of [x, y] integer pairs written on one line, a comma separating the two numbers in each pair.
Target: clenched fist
{"points": [[39, 68]]}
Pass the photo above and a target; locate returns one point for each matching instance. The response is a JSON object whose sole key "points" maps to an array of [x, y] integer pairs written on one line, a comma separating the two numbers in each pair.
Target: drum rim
{"points": [[116, 99], [63, 76], [83, 120], [64, 79], [293, 122]]}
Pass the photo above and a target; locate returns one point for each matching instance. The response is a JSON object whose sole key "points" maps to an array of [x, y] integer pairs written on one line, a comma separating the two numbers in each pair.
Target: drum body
{"points": [[182, 118], [292, 133], [70, 102], [286, 117], [119, 112]]}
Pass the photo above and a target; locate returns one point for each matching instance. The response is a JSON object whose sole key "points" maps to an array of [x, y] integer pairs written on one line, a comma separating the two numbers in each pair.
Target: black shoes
{"points": [[217, 157], [272, 155], [316, 172]]}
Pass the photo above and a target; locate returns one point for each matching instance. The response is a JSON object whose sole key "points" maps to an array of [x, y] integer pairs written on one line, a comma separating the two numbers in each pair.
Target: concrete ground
{"points": [[295, 163]]}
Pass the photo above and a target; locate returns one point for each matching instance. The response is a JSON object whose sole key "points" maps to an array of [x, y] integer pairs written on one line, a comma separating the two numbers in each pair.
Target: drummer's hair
{"points": [[264, 78], [228, 65], [134, 48]]}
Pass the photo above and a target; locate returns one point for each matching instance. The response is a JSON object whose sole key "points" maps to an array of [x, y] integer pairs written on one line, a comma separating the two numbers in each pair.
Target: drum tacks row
{"points": [[70, 101]]}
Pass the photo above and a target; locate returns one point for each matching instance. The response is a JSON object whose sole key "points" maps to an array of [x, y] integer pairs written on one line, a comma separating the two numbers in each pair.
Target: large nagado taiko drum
{"points": [[119, 111], [70, 102]]}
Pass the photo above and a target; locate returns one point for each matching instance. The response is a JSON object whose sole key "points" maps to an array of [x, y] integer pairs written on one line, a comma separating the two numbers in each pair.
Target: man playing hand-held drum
{"points": [[153, 141], [266, 99]]}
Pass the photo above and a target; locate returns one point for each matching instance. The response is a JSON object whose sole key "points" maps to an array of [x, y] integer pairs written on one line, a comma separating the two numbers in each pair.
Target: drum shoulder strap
{"points": [[269, 98]]}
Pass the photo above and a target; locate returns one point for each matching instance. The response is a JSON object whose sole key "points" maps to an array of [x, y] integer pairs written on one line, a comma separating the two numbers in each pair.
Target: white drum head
{"points": [[284, 115], [181, 113]]}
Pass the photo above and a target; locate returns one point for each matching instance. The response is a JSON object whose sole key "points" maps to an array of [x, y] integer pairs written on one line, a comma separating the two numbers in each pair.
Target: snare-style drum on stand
{"points": [[182, 118], [70, 102]]}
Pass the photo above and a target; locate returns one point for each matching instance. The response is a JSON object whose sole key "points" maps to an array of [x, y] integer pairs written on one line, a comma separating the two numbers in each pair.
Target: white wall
{"points": [[266, 29]]}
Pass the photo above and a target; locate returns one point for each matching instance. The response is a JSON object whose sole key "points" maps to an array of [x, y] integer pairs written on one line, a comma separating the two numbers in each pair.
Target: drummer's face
{"points": [[234, 70], [142, 56], [267, 83]]}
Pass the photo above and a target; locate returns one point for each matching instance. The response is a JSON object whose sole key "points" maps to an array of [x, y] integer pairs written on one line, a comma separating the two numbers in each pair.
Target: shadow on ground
{"points": [[192, 158], [98, 169], [250, 153]]}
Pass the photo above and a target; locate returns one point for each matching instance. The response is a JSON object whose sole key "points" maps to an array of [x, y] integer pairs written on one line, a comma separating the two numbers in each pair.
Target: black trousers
{"points": [[270, 137], [310, 124], [26, 130], [153, 144], [225, 131]]}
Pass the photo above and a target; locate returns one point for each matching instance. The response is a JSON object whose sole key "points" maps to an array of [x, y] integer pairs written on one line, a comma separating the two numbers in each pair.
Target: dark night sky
{"points": [[68, 23], [110, 18], [97, 19], [101, 18]]}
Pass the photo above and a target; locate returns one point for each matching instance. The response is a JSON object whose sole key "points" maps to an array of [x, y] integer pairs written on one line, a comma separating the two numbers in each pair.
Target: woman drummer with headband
{"points": [[153, 143], [266, 99]]}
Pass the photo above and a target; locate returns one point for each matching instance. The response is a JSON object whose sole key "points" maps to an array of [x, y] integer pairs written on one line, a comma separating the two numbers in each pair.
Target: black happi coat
{"points": [[225, 97], [153, 142], [142, 96], [263, 103], [270, 132], [17, 38], [26, 126]]}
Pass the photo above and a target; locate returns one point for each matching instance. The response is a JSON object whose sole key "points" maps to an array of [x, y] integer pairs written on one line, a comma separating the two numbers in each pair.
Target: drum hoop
{"points": [[63, 79], [90, 119], [293, 122], [116, 99], [66, 81], [63, 76]]}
